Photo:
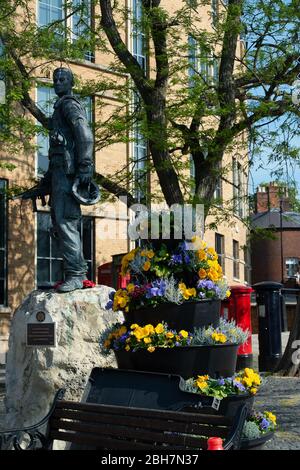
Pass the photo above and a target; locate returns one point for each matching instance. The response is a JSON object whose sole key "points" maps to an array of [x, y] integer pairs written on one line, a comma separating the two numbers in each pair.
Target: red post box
{"points": [[238, 308], [105, 274]]}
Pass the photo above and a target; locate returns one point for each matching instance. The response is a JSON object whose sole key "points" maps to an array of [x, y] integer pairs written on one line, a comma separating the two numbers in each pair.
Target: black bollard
{"points": [[269, 310]]}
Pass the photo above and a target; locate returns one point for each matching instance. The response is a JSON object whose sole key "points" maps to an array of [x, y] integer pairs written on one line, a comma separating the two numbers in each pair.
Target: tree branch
{"points": [[26, 100], [115, 188], [136, 72]]}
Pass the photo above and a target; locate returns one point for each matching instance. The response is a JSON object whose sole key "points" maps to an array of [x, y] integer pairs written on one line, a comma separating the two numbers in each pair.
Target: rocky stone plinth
{"points": [[34, 373]]}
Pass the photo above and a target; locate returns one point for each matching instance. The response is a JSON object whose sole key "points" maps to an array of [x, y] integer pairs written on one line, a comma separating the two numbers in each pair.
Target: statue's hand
{"points": [[84, 178], [85, 174]]}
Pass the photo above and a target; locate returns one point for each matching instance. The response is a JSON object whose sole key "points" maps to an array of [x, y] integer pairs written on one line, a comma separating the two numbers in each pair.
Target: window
{"points": [[140, 144], [201, 64], [219, 247], [46, 98], [3, 243], [78, 23], [81, 23], [247, 265], [49, 262], [218, 194], [215, 12], [236, 260], [291, 266], [2, 77], [49, 11], [237, 181]]}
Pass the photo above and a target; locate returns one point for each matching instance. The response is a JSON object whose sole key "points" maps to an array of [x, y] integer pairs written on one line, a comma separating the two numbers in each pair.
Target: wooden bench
{"points": [[110, 427]]}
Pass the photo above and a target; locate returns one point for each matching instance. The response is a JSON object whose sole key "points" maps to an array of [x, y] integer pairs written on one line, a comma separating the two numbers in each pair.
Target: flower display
{"points": [[226, 332], [258, 424], [148, 337], [189, 272], [245, 381]]}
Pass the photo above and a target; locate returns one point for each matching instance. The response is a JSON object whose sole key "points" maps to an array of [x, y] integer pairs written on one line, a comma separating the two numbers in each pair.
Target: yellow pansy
{"points": [[169, 334], [127, 347], [202, 273], [191, 292], [256, 379], [203, 377], [184, 333], [247, 381], [147, 340], [182, 286], [151, 349], [228, 293], [253, 390], [201, 384], [149, 329], [219, 337], [202, 255], [270, 416], [134, 326], [147, 266], [130, 288], [159, 328], [150, 254]]}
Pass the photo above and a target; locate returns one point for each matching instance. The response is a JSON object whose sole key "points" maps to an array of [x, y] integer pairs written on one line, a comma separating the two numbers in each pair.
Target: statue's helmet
{"points": [[87, 195]]}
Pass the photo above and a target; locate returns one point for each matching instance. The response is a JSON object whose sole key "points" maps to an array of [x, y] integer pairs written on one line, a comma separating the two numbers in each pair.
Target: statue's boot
{"points": [[71, 283]]}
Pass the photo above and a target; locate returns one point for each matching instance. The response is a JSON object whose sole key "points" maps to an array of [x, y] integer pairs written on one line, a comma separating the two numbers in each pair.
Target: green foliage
{"points": [[199, 117], [251, 430]]}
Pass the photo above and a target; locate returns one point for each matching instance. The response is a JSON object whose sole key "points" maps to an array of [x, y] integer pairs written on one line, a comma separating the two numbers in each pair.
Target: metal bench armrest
{"points": [[30, 437]]}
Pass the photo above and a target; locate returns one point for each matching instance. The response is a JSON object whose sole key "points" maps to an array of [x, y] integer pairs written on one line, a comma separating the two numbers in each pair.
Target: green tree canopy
{"points": [[201, 91]]}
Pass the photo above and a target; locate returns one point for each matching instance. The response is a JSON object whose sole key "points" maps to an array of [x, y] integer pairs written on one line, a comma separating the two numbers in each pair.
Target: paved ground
{"points": [[280, 395]]}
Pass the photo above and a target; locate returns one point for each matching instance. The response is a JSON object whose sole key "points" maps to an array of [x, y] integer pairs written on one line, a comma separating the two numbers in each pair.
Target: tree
{"points": [[251, 88]]}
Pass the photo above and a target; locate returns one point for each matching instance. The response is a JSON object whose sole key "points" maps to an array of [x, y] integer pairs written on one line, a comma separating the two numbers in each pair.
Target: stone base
{"points": [[34, 373]]}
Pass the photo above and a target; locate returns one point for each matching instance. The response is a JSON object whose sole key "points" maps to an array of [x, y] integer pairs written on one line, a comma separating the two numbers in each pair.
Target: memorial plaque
{"points": [[41, 334]]}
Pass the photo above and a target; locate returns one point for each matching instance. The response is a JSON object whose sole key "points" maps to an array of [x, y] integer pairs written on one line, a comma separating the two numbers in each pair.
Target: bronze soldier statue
{"points": [[69, 177]]}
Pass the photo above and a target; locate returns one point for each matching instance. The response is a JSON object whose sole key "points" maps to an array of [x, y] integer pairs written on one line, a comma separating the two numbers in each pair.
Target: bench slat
{"points": [[174, 425], [138, 433], [104, 442], [132, 411]]}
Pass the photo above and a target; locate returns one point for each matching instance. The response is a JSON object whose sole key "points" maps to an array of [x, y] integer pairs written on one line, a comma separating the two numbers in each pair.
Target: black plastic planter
{"points": [[187, 316], [155, 390], [186, 361], [256, 444]]}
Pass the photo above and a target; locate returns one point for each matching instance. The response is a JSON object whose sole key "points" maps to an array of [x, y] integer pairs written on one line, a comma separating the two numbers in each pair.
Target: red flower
{"points": [[87, 284], [59, 283]]}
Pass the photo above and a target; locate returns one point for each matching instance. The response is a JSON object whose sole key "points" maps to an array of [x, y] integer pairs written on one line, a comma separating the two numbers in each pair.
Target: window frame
{"points": [[247, 264], [296, 265], [236, 259], [90, 261], [237, 184], [138, 42], [67, 20], [4, 249], [221, 255]]}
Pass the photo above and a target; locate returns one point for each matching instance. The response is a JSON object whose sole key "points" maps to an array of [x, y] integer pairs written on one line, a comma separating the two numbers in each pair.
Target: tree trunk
{"points": [[156, 121], [289, 364]]}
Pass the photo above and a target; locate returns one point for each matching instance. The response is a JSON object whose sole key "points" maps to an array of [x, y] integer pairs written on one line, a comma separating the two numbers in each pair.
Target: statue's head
{"points": [[63, 81]]}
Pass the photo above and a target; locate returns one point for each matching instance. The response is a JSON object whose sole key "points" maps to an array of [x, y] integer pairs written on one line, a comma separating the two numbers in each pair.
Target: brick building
{"points": [[277, 258]]}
